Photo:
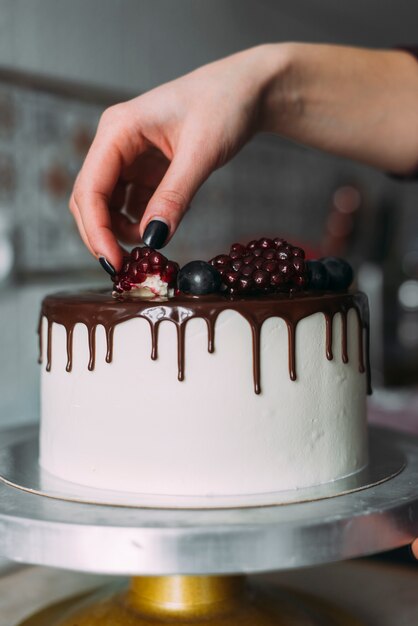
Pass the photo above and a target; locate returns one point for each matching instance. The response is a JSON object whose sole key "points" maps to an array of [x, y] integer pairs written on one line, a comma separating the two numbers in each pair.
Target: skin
{"points": [[151, 154]]}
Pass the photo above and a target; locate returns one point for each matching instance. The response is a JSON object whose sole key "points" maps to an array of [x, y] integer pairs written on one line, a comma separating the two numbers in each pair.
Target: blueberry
{"points": [[339, 271], [318, 277], [198, 278]]}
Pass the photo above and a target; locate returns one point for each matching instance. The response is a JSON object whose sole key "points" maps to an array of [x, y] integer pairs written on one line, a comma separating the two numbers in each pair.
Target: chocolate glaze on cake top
{"points": [[94, 308]]}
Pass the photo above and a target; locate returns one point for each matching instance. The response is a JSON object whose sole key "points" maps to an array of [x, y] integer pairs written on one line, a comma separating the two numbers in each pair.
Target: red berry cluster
{"points": [[143, 262], [262, 266]]}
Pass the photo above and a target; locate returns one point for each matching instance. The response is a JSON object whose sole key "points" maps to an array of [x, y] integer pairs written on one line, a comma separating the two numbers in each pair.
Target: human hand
{"points": [[151, 154]]}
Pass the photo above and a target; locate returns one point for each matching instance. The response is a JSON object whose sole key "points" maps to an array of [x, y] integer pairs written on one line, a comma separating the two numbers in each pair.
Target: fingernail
{"points": [[155, 234], [108, 267]]}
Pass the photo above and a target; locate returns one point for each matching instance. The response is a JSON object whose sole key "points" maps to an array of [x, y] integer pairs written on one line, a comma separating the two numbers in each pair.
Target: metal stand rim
{"points": [[40, 530]]}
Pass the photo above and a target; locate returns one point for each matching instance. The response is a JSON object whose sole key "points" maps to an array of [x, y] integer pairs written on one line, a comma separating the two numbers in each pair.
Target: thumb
{"points": [[172, 198]]}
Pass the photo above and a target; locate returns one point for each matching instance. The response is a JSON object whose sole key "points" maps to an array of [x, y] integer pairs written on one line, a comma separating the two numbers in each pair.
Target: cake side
{"points": [[129, 424]]}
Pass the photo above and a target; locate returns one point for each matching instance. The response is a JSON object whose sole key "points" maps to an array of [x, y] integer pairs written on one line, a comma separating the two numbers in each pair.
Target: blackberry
{"points": [[318, 277], [329, 273], [339, 271]]}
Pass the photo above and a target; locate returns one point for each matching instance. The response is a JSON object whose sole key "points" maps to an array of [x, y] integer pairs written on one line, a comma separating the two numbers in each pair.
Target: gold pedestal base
{"points": [[204, 600]]}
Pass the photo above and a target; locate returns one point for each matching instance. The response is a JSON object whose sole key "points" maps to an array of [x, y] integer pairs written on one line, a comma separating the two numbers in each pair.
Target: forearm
{"points": [[361, 104]]}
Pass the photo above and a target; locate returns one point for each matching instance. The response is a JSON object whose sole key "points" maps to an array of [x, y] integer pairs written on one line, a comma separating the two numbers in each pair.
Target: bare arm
{"points": [[151, 154], [357, 103]]}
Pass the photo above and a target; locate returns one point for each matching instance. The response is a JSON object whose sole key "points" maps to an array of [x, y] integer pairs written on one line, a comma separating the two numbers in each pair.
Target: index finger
{"points": [[109, 153]]}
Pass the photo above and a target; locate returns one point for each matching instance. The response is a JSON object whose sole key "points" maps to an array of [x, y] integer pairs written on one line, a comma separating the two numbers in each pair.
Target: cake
{"points": [[208, 394]]}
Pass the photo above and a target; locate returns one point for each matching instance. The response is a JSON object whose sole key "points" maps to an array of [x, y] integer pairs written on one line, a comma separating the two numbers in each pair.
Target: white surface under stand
{"points": [[120, 540]]}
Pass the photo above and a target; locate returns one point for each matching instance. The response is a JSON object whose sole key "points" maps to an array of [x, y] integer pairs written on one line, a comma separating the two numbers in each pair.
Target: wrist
{"points": [[280, 95]]}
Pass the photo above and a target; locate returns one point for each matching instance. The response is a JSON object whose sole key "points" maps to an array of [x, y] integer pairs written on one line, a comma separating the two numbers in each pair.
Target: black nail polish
{"points": [[155, 234], [108, 267]]}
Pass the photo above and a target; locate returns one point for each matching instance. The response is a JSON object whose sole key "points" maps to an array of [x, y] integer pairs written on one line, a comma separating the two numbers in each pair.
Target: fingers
{"points": [[137, 201], [115, 161], [77, 217], [95, 225], [118, 197], [124, 229], [126, 209], [172, 197], [112, 149], [415, 548]]}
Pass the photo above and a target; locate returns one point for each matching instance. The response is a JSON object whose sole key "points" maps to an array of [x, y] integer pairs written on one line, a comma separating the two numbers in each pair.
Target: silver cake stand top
{"points": [[133, 541]]}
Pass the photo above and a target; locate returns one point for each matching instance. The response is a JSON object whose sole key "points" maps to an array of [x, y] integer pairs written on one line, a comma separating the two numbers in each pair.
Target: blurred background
{"points": [[62, 63]]}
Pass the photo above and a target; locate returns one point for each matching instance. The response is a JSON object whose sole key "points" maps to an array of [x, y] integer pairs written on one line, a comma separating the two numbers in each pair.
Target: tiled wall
{"points": [[43, 140]]}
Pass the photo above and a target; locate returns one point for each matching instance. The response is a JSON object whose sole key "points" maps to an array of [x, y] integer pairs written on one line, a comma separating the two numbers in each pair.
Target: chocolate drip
{"points": [[210, 323], [154, 339], [180, 352], [70, 332], [328, 348], [99, 308], [344, 349], [360, 344], [291, 331], [92, 346], [49, 346], [109, 343], [256, 334], [368, 368]]}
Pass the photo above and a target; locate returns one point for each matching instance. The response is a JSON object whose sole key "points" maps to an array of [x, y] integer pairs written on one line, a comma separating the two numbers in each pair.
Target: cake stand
{"points": [[189, 566]]}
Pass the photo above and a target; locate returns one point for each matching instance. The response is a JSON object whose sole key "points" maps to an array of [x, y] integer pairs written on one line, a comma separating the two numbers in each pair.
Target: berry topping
{"points": [[264, 242], [146, 273], [169, 273], [157, 260], [339, 271], [318, 277], [237, 249], [330, 273], [262, 266], [199, 278]]}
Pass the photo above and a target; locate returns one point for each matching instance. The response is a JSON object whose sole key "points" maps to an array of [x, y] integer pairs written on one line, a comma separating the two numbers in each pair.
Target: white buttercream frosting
{"points": [[131, 425], [151, 287]]}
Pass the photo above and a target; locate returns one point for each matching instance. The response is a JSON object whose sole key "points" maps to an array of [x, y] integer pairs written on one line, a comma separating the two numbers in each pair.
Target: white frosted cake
{"points": [[204, 395]]}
